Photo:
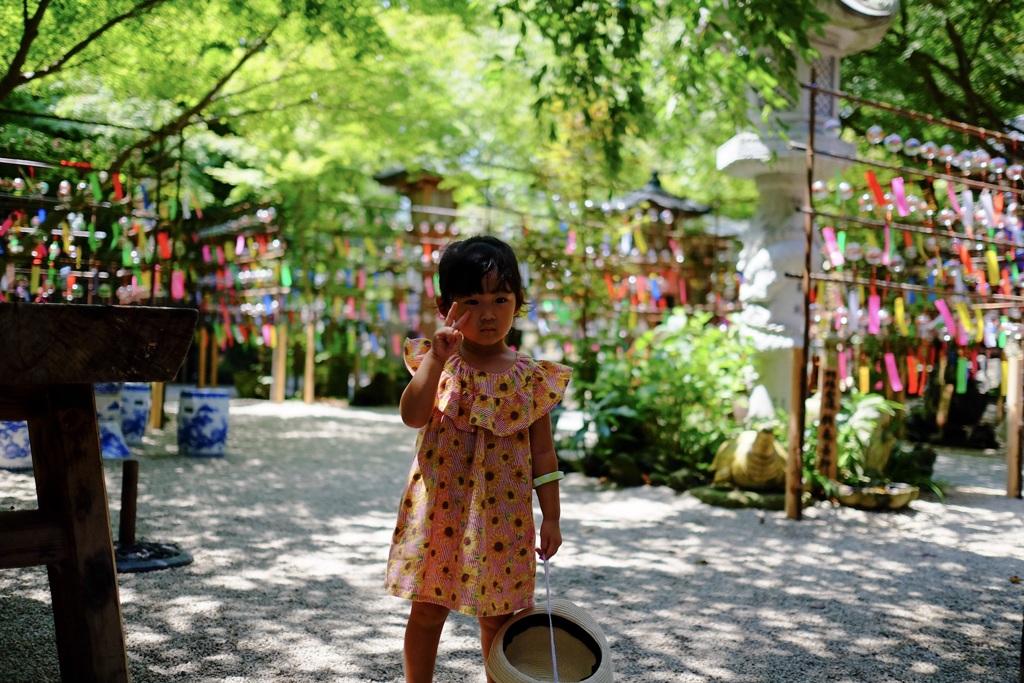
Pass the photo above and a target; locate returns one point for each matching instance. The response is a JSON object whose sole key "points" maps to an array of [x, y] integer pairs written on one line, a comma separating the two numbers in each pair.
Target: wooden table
{"points": [[50, 356]]}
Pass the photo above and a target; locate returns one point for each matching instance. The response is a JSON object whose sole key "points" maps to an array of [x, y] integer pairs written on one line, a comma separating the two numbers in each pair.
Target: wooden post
{"points": [[1013, 424], [156, 407], [356, 367], [204, 340], [798, 388], [309, 380], [214, 361], [828, 455], [795, 465], [129, 503], [279, 365]]}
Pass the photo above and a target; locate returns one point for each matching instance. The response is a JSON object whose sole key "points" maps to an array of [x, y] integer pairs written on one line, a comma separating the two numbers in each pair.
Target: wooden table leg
{"points": [[70, 484]]}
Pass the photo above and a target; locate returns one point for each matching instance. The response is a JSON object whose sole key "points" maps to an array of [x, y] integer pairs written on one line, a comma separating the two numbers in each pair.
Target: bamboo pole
{"points": [[214, 361], [1013, 424], [156, 406], [309, 381], [794, 466], [204, 341], [798, 400], [279, 365]]}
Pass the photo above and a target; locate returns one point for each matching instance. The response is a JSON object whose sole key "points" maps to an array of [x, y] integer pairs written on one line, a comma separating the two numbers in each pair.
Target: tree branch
{"points": [[15, 75], [269, 110], [277, 79], [177, 124]]}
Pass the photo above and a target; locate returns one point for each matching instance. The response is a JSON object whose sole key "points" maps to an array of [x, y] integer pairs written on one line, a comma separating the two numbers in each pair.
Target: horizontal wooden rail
{"points": [[29, 538]]}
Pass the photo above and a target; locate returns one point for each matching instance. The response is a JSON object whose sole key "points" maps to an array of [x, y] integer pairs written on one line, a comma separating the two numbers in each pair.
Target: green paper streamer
{"points": [[1002, 335], [961, 375], [115, 232], [286, 276], [173, 212], [126, 255], [51, 275], [351, 334], [93, 242], [94, 182]]}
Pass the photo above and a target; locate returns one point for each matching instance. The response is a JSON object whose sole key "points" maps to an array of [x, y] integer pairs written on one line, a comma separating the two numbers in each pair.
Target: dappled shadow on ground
{"points": [[290, 535]]}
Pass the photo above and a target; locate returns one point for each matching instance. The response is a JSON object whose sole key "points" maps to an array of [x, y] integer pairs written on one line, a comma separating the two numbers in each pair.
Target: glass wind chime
{"points": [[923, 264]]}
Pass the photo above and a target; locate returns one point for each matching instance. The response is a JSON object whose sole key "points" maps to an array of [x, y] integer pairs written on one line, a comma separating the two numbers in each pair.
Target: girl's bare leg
{"points": [[422, 634], [489, 627]]}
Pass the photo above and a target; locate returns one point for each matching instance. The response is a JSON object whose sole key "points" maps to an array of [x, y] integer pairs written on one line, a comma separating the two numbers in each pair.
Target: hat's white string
{"points": [[551, 622]]}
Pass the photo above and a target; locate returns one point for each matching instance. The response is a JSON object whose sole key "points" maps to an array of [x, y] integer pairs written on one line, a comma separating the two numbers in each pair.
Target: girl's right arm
{"points": [[417, 404]]}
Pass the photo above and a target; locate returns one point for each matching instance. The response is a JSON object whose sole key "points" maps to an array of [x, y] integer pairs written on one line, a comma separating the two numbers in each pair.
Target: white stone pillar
{"points": [[773, 244]]}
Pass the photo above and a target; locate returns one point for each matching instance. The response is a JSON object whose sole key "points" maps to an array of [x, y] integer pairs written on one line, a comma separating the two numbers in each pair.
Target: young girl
{"points": [[465, 535]]}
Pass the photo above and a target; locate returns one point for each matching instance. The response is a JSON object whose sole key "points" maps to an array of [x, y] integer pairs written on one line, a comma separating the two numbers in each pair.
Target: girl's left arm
{"points": [[545, 461]]}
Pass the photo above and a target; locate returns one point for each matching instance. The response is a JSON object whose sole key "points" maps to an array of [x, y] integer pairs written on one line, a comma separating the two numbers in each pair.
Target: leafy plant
{"points": [[869, 449], [659, 412]]}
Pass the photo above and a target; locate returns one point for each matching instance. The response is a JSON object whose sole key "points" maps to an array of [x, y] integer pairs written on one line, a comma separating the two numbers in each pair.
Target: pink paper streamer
{"points": [[207, 257], [888, 245], [396, 344], [893, 371], [952, 198], [266, 334], [874, 306], [178, 285], [351, 306], [899, 192], [239, 246], [947, 317], [403, 311], [361, 280], [428, 284], [832, 247]]}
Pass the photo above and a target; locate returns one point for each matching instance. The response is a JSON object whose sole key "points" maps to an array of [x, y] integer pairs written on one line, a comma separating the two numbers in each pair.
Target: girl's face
{"points": [[491, 313]]}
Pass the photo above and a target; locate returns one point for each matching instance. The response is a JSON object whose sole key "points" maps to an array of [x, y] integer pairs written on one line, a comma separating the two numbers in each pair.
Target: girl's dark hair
{"points": [[465, 264]]}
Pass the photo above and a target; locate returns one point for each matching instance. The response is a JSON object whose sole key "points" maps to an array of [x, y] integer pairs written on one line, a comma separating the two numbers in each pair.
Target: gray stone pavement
{"points": [[290, 535]]}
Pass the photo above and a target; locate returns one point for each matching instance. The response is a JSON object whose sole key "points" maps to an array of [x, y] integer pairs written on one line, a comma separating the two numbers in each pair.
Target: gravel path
{"points": [[290, 536]]}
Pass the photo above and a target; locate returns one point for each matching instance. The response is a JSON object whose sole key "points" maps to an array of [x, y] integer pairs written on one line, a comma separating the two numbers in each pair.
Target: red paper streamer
{"points": [[876, 188]]}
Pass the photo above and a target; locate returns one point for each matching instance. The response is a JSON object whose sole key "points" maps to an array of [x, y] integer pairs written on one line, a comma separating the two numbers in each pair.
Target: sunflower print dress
{"points": [[465, 535]]}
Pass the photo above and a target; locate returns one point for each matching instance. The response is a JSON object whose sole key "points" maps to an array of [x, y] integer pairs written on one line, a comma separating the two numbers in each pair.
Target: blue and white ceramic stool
{"points": [[136, 401], [108, 415], [203, 422], [15, 453]]}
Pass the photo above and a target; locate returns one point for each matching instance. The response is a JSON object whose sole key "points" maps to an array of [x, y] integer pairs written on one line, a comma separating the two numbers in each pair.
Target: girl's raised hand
{"points": [[447, 339]]}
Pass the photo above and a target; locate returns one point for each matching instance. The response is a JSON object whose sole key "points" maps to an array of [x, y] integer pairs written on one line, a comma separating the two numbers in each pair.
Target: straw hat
{"points": [[521, 652]]}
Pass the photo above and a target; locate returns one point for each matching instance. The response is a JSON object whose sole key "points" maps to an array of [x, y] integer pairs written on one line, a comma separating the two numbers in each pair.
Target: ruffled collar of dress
{"points": [[472, 380]]}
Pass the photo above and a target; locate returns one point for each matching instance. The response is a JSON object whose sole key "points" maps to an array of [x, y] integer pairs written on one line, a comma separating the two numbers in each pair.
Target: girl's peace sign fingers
{"points": [[450, 318], [461, 322]]}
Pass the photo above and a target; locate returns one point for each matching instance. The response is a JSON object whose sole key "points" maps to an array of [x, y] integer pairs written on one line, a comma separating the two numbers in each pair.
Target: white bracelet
{"points": [[545, 478]]}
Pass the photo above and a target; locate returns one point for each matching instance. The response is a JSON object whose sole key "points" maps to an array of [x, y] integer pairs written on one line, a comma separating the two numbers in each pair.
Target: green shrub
{"points": [[869, 448], [658, 412]]}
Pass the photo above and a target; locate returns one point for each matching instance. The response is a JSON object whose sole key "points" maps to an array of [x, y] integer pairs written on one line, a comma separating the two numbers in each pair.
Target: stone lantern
{"points": [[774, 243]]}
